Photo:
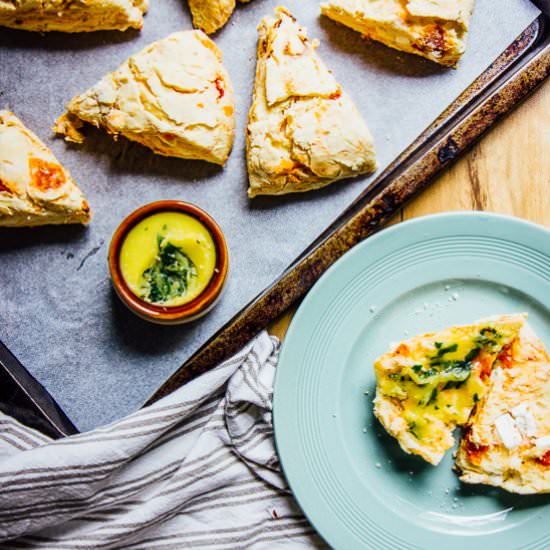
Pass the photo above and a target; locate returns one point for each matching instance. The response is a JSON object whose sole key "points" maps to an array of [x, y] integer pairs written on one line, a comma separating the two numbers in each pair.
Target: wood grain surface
{"points": [[507, 172]]}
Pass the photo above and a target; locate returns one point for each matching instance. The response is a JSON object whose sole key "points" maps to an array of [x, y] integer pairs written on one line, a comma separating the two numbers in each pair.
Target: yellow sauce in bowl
{"points": [[168, 259]]}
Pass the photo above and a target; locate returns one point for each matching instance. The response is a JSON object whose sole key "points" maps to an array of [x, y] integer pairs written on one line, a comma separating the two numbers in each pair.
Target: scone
{"points": [[34, 188], [435, 29], [174, 96], [428, 385], [57, 15], [303, 131], [211, 15], [507, 440]]}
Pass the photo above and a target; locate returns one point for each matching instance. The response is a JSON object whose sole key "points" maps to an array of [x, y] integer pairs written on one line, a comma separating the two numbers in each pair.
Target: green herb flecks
{"points": [[429, 398], [412, 429], [489, 338], [429, 373], [168, 278], [454, 384], [433, 397], [453, 371], [472, 354], [456, 371], [422, 376], [444, 350]]}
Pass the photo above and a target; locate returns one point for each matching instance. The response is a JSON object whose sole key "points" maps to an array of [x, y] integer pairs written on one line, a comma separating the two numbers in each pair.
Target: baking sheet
{"points": [[58, 313]]}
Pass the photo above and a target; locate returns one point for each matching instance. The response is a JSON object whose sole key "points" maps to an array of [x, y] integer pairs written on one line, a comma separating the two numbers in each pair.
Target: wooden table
{"points": [[508, 172]]}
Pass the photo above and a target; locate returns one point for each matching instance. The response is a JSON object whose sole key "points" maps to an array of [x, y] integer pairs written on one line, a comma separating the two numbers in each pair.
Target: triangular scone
{"points": [[507, 440], [428, 385], [174, 96], [58, 15], [303, 131], [435, 29], [34, 188]]}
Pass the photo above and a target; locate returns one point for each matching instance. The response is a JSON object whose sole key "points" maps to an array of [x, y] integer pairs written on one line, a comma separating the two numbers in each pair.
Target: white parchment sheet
{"points": [[58, 313]]}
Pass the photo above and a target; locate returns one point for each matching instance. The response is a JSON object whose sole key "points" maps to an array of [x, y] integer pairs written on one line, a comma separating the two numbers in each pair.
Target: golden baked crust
{"points": [[521, 378], [72, 15], [435, 29], [428, 385], [211, 15], [174, 96], [34, 188], [303, 131]]}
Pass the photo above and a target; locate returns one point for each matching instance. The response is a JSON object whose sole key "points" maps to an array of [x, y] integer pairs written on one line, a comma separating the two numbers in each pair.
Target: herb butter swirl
{"points": [[168, 259]]}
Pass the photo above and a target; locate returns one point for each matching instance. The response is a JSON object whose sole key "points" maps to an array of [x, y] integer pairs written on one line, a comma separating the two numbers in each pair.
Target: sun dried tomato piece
{"points": [[219, 86], [505, 356], [485, 362], [45, 175], [475, 452], [545, 459], [403, 349], [433, 40]]}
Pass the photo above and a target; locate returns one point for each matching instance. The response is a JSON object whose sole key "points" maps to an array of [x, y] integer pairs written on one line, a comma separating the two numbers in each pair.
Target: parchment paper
{"points": [[58, 313]]}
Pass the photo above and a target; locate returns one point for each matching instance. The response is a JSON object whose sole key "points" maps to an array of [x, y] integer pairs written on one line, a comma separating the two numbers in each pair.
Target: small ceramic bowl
{"points": [[170, 315]]}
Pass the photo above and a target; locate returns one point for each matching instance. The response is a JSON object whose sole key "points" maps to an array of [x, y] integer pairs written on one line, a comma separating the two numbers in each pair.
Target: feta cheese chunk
{"points": [[507, 431], [524, 419]]}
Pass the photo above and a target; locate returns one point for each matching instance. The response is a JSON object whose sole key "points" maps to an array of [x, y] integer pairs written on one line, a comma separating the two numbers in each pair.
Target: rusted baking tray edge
{"points": [[24, 398], [515, 74]]}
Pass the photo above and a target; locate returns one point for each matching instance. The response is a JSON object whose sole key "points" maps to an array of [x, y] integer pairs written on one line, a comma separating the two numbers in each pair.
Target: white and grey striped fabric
{"points": [[196, 470]]}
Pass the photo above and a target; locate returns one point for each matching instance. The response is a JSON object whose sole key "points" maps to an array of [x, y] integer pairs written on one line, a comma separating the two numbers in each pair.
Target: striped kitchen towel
{"points": [[198, 469]]}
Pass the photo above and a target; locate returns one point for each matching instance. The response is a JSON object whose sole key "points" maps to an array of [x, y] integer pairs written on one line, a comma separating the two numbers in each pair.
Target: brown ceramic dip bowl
{"points": [[178, 314]]}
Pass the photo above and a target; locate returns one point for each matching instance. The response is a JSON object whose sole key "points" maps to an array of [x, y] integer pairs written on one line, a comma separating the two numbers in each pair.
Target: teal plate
{"points": [[350, 478]]}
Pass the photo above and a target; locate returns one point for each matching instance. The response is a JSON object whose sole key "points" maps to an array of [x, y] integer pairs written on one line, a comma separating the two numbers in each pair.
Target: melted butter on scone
{"points": [[174, 96], [435, 29], [303, 131], [428, 385], [507, 439]]}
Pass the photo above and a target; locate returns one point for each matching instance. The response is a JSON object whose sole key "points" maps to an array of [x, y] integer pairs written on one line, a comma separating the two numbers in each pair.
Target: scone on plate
{"points": [[54, 15], [304, 132], [34, 188], [435, 29], [174, 96], [507, 440], [428, 385]]}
